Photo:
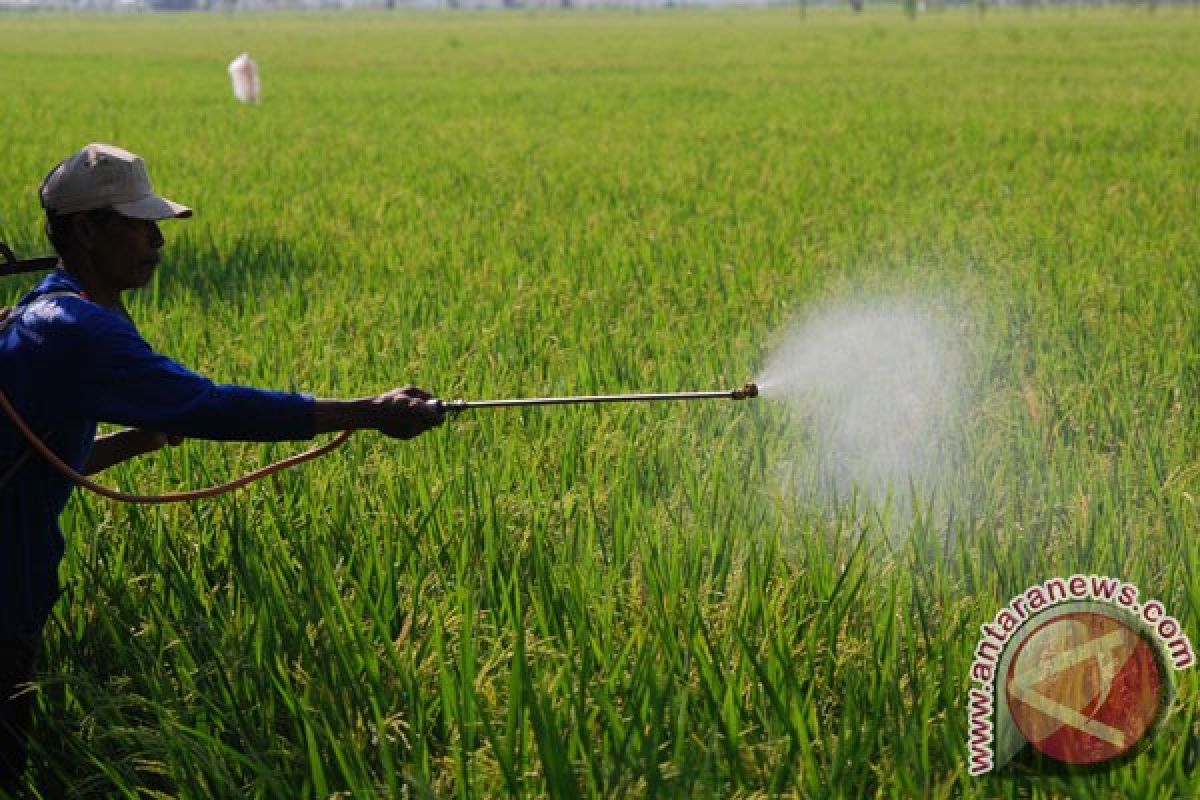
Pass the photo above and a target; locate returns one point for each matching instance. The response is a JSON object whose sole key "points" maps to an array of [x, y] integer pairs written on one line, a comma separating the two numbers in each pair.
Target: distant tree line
{"points": [[911, 7]]}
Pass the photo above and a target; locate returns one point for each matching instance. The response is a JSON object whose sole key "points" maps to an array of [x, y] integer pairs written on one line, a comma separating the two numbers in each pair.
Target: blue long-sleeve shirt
{"points": [[65, 365]]}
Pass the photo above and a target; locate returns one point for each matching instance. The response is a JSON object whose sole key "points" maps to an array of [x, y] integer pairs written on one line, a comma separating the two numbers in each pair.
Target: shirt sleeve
{"points": [[123, 381]]}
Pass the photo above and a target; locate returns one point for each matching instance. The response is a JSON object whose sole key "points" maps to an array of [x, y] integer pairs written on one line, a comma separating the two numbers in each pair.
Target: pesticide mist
{"points": [[872, 391]]}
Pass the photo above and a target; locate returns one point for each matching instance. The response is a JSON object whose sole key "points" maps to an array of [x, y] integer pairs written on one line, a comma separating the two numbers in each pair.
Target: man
{"points": [[71, 357]]}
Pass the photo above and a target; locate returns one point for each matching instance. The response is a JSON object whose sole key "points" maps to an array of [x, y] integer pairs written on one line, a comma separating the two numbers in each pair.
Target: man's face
{"points": [[124, 251]]}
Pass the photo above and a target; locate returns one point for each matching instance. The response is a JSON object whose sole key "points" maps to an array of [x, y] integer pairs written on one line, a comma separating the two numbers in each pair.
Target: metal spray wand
{"points": [[742, 393]]}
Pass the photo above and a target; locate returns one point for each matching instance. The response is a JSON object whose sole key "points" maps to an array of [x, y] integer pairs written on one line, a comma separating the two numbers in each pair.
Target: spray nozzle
{"points": [[747, 391]]}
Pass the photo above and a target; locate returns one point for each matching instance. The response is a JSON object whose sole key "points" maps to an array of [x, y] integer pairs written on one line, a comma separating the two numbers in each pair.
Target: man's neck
{"points": [[97, 291]]}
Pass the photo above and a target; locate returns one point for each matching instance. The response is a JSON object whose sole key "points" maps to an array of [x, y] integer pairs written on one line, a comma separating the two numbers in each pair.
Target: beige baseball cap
{"points": [[104, 176]]}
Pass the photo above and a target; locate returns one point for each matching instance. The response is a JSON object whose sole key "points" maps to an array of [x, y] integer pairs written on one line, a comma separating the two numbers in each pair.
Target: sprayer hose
{"points": [[171, 497]]}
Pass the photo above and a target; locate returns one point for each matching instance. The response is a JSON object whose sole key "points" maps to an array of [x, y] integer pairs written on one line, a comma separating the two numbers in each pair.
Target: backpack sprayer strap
{"points": [[37, 445]]}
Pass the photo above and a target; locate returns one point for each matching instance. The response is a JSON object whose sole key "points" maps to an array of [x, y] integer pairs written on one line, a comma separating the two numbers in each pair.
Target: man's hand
{"points": [[157, 441], [401, 413], [405, 413], [124, 445]]}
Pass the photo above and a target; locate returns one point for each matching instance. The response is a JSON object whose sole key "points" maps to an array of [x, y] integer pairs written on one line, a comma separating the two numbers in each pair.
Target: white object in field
{"points": [[244, 72]]}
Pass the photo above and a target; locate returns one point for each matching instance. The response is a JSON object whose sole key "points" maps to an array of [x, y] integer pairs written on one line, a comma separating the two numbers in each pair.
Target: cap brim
{"points": [[152, 207]]}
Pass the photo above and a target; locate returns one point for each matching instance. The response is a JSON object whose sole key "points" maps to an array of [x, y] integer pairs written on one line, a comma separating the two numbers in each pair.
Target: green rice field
{"points": [[623, 601]]}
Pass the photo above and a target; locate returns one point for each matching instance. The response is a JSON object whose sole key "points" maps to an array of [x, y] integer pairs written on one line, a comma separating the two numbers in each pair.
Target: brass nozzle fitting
{"points": [[749, 390]]}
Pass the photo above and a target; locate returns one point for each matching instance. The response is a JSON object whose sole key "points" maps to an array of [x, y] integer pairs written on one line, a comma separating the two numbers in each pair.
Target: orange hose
{"points": [[171, 497]]}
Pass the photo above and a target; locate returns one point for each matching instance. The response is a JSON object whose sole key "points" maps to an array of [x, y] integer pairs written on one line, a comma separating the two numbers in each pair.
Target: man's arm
{"points": [[121, 380]]}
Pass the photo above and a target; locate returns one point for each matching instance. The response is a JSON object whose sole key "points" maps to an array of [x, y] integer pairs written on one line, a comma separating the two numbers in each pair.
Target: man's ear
{"points": [[85, 229]]}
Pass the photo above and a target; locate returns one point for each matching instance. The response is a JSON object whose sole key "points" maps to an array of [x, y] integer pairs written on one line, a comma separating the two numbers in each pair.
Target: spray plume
{"points": [[876, 387]]}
